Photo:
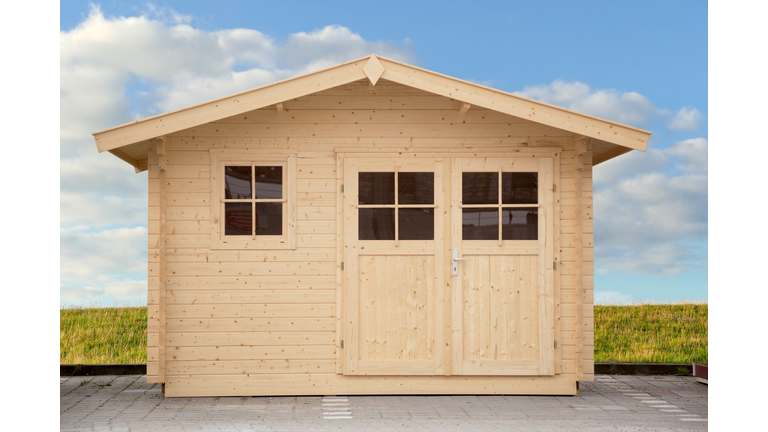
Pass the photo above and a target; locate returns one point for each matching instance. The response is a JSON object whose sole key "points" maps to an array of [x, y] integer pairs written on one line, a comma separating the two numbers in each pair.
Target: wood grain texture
{"points": [[262, 304]]}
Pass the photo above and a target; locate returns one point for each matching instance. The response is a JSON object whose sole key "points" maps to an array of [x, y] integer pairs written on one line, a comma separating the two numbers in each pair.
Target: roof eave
{"points": [[373, 68]]}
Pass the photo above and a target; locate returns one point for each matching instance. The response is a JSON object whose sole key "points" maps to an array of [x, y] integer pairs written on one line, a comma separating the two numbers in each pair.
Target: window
{"points": [[500, 209], [253, 200], [396, 206]]}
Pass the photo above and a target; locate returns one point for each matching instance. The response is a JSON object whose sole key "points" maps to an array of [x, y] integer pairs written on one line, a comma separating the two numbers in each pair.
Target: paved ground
{"points": [[612, 403]]}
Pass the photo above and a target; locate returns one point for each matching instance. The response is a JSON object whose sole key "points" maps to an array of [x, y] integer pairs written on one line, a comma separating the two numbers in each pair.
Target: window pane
{"points": [[376, 188], [520, 223], [269, 219], [480, 188], [269, 182], [237, 218], [376, 224], [237, 183], [416, 224], [519, 188], [415, 188], [480, 224]]}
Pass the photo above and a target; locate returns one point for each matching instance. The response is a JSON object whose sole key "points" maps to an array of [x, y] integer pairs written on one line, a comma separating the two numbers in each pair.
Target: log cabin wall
{"points": [[267, 321]]}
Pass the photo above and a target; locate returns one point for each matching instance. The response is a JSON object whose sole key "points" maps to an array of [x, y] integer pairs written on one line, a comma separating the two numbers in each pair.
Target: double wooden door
{"points": [[448, 265]]}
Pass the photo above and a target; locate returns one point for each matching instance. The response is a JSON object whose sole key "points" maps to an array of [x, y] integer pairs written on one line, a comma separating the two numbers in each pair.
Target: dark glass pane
{"points": [[415, 188], [480, 224], [269, 182], [269, 219], [519, 188], [480, 188], [376, 187], [520, 223], [237, 218], [416, 224], [376, 224], [237, 183]]}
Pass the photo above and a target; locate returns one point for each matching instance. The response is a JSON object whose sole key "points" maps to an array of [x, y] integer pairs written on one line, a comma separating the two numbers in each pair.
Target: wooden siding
{"points": [[496, 287], [271, 314], [393, 320]]}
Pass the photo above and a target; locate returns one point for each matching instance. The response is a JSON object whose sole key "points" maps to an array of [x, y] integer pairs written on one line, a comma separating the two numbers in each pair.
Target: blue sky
{"points": [[642, 63]]}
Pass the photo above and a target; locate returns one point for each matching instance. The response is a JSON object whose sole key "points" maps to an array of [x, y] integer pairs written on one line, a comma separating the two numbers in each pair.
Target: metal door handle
{"points": [[456, 260]]}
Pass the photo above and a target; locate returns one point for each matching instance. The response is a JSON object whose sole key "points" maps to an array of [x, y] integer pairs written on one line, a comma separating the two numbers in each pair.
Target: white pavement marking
{"points": [[335, 408], [659, 404]]}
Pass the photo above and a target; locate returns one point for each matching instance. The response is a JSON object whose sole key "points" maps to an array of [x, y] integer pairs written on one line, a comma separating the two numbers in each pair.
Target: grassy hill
{"points": [[645, 333]]}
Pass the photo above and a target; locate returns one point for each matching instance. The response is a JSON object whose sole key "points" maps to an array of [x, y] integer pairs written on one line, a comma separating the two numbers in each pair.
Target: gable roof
{"points": [[130, 141]]}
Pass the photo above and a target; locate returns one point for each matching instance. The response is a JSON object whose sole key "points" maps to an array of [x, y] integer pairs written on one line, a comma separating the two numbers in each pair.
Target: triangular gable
{"points": [[617, 138]]}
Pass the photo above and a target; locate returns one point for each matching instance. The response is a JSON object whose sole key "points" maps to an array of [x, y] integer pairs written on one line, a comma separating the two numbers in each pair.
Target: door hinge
{"points": [[554, 188], [342, 265], [342, 188], [342, 344], [554, 265]]}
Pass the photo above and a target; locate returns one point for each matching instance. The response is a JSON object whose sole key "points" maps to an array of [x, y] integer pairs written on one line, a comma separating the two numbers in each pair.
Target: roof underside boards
{"points": [[323, 90]]}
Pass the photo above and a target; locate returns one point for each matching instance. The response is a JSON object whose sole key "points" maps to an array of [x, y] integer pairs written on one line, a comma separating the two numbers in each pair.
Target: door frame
{"points": [[344, 362]]}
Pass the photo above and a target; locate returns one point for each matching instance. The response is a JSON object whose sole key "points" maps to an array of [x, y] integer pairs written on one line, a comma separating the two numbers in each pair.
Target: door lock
{"points": [[456, 260]]}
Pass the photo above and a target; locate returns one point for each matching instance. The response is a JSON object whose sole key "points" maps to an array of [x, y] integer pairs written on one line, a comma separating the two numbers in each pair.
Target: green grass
{"points": [[651, 333], [645, 333], [103, 335]]}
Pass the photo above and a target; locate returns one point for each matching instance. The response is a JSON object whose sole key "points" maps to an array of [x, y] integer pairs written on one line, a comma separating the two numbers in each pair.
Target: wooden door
{"points": [[394, 224], [502, 298]]}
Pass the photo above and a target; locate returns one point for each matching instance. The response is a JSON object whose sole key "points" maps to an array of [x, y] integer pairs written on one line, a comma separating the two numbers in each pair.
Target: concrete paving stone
{"points": [[601, 405]]}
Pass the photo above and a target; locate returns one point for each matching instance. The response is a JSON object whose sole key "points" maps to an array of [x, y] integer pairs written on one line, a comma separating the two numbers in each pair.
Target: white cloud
{"points": [[106, 267], [86, 256], [203, 88], [629, 108], [692, 155], [651, 222], [630, 164], [624, 107], [118, 69], [110, 293], [336, 44], [687, 118]]}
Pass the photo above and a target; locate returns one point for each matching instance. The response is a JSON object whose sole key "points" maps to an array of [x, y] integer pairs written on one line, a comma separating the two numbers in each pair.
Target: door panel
{"points": [[500, 307], [390, 293], [396, 302], [502, 314]]}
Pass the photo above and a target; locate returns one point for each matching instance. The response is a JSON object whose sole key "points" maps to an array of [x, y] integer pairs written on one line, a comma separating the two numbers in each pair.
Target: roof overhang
{"points": [[128, 141]]}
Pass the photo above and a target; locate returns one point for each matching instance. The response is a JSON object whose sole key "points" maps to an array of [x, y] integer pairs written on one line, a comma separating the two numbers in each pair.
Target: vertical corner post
{"points": [[162, 243]]}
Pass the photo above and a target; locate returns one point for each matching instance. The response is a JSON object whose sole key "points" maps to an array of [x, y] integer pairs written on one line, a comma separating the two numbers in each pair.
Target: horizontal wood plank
{"points": [[311, 384], [249, 324], [199, 353], [249, 338], [185, 297], [251, 311], [228, 367]]}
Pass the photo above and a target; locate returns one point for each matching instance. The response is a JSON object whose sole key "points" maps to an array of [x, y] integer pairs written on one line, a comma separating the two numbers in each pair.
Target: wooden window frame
{"points": [[287, 159], [528, 165], [397, 206]]}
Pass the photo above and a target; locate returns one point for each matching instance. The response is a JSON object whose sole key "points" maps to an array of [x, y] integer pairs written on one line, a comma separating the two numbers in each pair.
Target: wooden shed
{"points": [[370, 228]]}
